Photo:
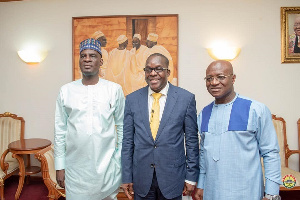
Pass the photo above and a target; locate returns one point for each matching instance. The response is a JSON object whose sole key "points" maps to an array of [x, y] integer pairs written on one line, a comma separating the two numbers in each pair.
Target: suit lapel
{"points": [[143, 105], [170, 103]]}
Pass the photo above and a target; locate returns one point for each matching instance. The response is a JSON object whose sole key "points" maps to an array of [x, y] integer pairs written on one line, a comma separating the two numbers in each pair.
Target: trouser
{"points": [[154, 192]]}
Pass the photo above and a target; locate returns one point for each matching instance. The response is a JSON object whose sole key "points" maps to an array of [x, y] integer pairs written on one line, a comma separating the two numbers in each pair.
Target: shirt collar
{"points": [[229, 103], [164, 91]]}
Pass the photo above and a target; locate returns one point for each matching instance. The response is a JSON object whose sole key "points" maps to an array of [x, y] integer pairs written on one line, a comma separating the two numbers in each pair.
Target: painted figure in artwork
{"points": [[118, 65], [98, 35], [137, 63], [294, 43], [155, 48]]}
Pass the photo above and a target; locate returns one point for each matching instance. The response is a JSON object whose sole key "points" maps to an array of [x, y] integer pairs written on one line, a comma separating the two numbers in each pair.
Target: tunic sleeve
{"points": [[60, 133], [119, 116], [269, 148]]}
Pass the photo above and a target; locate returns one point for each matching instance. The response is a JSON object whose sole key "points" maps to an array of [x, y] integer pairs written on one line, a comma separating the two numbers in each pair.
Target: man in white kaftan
{"points": [[236, 132], [99, 35], [89, 131], [118, 65], [137, 64]]}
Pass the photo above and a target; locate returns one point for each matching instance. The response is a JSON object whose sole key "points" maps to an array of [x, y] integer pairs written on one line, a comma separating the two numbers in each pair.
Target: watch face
{"points": [[277, 197]]}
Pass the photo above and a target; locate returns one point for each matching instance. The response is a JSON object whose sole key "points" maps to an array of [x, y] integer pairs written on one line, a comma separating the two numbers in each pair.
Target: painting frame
{"points": [[288, 14], [163, 25]]}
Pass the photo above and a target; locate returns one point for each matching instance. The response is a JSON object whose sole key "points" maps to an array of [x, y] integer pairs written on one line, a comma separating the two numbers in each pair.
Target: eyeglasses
{"points": [[148, 70], [297, 24], [218, 78]]}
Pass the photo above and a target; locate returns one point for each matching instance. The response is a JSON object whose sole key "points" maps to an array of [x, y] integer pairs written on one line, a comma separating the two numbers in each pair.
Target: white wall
{"points": [[254, 25]]}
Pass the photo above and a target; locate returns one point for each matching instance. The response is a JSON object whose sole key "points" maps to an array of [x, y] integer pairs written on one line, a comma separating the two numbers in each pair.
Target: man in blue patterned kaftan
{"points": [[89, 131], [236, 132]]}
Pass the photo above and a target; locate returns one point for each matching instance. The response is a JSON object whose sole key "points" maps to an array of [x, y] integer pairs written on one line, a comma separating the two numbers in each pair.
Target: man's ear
{"points": [[101, 61], [233, 78]]}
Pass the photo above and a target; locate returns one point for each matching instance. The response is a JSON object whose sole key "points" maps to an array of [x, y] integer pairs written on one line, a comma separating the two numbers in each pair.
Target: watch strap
{"points": [[272, 197]]}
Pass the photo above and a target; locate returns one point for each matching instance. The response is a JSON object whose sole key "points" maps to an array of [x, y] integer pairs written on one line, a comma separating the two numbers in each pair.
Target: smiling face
{"points": [[297, 26], [157, 81], [90, 62], [222, 90]]}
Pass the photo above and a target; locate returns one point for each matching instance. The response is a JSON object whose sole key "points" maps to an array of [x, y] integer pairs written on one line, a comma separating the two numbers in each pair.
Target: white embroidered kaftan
{"points": [[88, 138]]}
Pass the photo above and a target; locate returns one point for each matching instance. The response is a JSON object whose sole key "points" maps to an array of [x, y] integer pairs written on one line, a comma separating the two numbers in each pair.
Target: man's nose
{"points": [[87, 58], [153, 72], [215, 81]]}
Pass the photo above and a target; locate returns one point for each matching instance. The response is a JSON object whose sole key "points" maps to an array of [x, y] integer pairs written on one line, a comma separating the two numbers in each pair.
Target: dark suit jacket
{"points": [[141, 154]]}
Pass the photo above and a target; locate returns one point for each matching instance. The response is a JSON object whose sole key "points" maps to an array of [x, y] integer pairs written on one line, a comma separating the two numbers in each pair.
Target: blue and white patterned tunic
{"points": [[234, 137]]}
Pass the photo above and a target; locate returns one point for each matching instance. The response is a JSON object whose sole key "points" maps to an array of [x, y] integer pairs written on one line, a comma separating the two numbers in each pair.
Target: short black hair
{"points": [[162, 56]]}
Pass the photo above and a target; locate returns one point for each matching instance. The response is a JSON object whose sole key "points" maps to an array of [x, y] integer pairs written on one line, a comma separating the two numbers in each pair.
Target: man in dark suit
{"points": [[160, 140]]}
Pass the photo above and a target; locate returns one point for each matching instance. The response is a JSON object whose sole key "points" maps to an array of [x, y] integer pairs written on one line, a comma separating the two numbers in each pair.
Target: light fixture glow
{"points": [[32, 56], [222, 51]]}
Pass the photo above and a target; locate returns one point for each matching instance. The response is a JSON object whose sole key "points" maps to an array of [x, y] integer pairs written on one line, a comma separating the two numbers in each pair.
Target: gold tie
{"points": [[154, 119]]}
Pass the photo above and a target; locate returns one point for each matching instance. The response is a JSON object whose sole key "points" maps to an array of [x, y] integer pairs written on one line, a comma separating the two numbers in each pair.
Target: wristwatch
{"points": [[272, 197]]}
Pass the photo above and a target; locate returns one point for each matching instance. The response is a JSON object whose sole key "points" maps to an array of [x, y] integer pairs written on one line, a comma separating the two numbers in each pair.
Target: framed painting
{"points": [[290, 34], [126, 43]]}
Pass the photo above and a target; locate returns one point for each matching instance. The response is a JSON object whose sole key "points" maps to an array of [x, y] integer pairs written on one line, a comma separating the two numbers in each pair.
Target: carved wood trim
{"points": [[54, 193], [14, 116], [4, 165], [286, 147]]}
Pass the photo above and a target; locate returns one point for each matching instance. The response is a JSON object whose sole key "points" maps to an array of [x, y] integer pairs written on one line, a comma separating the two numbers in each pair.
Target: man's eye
{"points": [[221, 77], [209, 79]]}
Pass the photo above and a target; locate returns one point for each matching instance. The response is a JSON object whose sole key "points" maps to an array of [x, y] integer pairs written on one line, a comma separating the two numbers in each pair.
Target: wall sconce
{"points": [[32, 56], [222, 51]]}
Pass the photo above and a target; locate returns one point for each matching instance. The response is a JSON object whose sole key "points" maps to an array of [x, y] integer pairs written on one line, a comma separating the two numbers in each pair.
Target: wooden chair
{"points": [[11, 129], [46, 156], [285, 152]]}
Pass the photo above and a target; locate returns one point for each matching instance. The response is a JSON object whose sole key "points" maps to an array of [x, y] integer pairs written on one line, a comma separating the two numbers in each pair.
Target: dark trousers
{"points": [[154, 192]]}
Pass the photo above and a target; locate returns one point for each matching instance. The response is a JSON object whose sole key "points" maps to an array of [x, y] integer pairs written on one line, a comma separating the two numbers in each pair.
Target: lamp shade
{"points": [[224, 53], [31, 56]]}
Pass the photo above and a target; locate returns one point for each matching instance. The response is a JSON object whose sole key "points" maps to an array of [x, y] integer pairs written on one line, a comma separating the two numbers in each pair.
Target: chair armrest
{"points": [[47, 168], [291, 152], [40, 154], [4, 165]]}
